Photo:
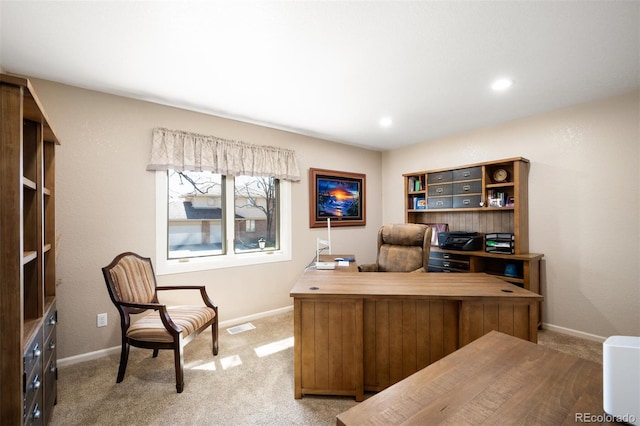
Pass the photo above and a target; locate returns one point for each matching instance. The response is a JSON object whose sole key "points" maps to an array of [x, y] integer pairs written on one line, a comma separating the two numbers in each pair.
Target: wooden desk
{"points": [[366, 331], [497, 379]]}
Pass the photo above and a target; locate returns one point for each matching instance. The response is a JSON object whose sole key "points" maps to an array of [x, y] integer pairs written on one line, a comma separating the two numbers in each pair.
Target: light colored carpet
{"points": [[250, 382]]}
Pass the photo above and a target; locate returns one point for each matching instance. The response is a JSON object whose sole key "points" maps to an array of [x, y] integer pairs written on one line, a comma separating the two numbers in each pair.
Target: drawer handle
{"points": [[446, 264], [466, 188], [439, 190], [466, 202], [52, 345], [446, 255], [466, 174], [36, 351], [440, 177], [439, 203], [35, 384], [52, 320], [36, 412], [52, 368]]}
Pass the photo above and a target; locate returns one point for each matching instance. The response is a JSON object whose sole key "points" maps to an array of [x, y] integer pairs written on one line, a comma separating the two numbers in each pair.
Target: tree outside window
{"points": [[197, 213]]}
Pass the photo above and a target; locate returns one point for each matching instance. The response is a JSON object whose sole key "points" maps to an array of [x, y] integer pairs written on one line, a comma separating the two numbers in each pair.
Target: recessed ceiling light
{"points": [[502, 84], [386, 122]]}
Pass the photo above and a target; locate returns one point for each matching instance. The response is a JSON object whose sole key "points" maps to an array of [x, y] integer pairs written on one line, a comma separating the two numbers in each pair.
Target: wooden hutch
{"points": [[488, 198], [28, 369]]}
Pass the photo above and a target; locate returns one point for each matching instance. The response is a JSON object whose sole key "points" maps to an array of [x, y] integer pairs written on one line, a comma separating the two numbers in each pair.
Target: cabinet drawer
{"points": [[33, 355], [449, 256], [50, 320], [439, 202], [471, 187], [32, 407], [50, 347], [468, 173], [466, 201], [445, 263], [440, 177], [440, 190]]}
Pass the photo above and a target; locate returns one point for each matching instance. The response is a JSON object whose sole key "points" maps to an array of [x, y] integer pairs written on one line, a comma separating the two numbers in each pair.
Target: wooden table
{"points": [[497, 379], [356, 332]]}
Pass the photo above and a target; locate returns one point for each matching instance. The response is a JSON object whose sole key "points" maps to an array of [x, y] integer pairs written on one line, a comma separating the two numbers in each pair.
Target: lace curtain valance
{"points": [[178, 150]]}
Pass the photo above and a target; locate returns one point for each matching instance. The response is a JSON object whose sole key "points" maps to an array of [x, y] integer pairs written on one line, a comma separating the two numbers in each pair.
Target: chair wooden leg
{"points": [[155, 353], [214, 336], [124, 356], [178, 358]]}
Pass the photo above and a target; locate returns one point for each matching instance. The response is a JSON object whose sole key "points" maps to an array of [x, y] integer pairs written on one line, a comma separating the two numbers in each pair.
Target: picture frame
{"points": [[337, 195]]}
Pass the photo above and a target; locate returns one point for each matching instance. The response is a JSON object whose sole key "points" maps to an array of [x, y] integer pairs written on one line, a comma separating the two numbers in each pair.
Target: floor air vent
{"points": [[240, 328]]}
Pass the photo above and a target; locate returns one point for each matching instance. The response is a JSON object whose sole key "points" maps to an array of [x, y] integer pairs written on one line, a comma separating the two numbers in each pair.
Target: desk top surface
{"points": [[496, 379], [347, 283]]}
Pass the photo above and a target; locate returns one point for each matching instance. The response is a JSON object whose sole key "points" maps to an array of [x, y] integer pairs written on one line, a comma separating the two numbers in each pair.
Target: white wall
{"points": [[584, 205], [105, 205], [584, 198]]}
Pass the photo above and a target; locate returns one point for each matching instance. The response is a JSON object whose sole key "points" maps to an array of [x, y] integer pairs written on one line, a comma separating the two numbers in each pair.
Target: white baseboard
{"points": [[574, 333], [236, 321], [63, 362]]}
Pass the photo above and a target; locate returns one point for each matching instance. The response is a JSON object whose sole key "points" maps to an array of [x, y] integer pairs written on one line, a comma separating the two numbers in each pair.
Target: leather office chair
{"points": [[132, 287], [403, 247]]}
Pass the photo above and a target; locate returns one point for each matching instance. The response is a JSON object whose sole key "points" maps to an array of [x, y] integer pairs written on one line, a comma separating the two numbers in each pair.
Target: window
{"points": [[206, 220]]}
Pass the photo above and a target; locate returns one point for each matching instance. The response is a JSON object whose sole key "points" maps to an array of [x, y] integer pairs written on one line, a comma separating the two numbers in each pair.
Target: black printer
{"points": [[460, 240]]}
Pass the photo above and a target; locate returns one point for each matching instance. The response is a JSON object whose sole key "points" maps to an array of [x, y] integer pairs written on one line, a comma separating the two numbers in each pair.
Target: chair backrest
{"points": [[130, 279], [403, 247]]}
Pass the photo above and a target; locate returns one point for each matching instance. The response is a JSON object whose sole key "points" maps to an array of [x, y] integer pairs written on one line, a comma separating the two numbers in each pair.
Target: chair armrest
{"points": [[154, 306], [368, 267], [164, 315], [203, 292]]}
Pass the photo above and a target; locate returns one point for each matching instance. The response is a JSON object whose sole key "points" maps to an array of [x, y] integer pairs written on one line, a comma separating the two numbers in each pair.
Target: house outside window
{"points": [[207, 221]]}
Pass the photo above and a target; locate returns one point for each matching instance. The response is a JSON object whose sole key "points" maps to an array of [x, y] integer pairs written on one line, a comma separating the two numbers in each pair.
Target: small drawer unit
{"points": [[440, 190], [466, 201], [471, 187], [468, 173], [448, 262], [440, 202], [439, 177]]}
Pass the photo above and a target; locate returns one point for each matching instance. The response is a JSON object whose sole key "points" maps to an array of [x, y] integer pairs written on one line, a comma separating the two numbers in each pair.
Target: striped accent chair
{"points": [[133, 290], [402, 247]]}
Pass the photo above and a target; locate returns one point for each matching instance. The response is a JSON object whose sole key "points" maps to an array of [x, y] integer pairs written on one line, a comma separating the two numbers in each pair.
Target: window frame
{"points": [[165, 266]]}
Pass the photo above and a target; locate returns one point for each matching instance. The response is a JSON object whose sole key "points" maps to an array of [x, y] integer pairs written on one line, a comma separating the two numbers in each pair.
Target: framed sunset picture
{"points": [[336, 195]]}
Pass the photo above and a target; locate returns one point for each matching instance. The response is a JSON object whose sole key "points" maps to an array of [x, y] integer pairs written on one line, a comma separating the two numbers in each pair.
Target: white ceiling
{"points": [[332, 69]]}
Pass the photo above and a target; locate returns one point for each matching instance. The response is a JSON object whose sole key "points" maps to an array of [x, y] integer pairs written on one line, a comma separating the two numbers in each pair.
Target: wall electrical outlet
{"points": [[101, 320]]}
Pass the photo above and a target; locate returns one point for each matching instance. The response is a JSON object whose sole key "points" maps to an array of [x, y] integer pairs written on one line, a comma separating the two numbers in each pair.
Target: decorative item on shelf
{"points": [[436, 229], [261, 243], [511, 270], [496, 199], [420, 203], [415, 183], [500, 175]]}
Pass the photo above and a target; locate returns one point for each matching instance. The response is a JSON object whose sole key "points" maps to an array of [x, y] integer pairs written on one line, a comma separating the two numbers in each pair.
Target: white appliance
{"points": [[621, 378]]}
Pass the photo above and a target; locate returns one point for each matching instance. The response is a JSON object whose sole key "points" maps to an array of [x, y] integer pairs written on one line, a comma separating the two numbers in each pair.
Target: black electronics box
{"points": [[500, 242], [460, 240]]}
